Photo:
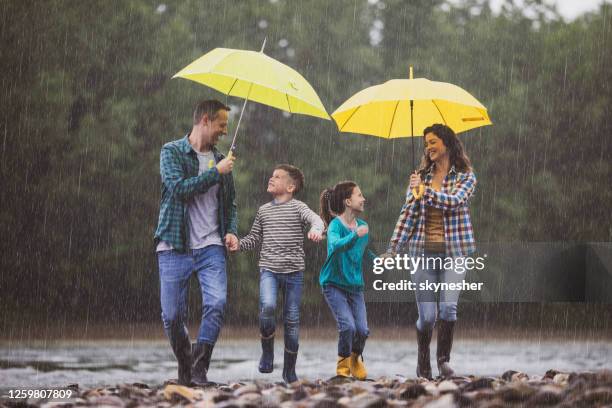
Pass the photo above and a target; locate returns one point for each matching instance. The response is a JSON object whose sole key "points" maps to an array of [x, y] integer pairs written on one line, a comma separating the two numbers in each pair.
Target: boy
{"points": [[278, 227]]}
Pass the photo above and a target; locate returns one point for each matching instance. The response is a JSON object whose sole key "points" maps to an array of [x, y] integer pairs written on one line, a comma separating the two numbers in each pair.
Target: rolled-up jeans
{"points": [[175, 270], [349, 311], [429, 300], [291, 285]]}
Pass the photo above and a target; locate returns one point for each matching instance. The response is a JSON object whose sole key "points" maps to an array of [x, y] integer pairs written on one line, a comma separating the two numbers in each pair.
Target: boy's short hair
{"points": [[296, 176]]}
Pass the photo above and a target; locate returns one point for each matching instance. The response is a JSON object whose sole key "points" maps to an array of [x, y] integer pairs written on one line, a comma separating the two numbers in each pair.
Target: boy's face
{"points": [[280, 183]]}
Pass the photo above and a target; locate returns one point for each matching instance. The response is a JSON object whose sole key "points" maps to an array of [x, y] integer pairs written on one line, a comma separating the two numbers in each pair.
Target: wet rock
{"points": [[445, 401], [550, 374], [507, 376], [597, 397], [477, 384], [561, 378], [244, 389], [412, 391], [329, 403], [447, 386], [546, 396], [367, 401], [516, 392], [107, 400]]}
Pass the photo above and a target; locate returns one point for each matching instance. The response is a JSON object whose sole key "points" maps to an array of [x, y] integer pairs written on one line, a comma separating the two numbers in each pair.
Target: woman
{"points": [[437, 224], [341, 276]]}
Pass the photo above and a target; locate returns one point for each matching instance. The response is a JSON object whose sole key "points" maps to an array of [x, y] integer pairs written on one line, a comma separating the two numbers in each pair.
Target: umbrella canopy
{"points": [[256, 77], [384, 110], [394, 109]]}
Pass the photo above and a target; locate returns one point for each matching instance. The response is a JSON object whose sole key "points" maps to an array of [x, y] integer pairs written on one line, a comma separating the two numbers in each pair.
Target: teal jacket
{"points": [[345, 250]]}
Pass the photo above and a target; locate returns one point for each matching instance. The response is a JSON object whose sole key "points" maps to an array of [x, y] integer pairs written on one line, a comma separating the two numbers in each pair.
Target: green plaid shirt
{"points": [[180, 183]]}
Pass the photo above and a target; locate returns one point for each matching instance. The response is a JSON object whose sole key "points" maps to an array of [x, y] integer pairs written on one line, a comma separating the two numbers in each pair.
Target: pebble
{"points": [[554, 388]]}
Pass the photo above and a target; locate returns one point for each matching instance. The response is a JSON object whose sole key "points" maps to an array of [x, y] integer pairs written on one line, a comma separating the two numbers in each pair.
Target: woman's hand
{"points": [[415, 180], [362, 230]]}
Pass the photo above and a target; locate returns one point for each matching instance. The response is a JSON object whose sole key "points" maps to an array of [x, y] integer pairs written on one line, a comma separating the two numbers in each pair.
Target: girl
{"points": [[437, 224], [341, 277]]}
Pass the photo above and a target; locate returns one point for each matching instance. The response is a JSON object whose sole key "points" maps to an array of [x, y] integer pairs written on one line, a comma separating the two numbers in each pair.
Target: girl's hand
{"points": [[415, 180], [361, 231]]}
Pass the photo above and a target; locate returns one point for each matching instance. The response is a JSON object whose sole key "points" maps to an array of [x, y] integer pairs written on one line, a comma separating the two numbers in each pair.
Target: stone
{"points": [[447, 386], [412, 391]]}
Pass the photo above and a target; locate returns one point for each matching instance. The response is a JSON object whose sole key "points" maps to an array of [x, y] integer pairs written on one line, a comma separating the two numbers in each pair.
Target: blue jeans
{"points": [[428, 300], [291, 285], [175, 270], [349, 311]]}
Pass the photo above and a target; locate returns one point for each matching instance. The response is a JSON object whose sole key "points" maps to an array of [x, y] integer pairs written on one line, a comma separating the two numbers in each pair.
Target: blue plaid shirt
{"points": [[453, 200], [180, 183]]}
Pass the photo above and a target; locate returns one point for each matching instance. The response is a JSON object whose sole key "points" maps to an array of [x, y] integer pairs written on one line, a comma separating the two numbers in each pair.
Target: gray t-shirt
{"points": [[202, 210]]}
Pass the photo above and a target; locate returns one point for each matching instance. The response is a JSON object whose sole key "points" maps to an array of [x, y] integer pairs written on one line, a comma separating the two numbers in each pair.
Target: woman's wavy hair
{"points": [[456, 152], [332, 200]]}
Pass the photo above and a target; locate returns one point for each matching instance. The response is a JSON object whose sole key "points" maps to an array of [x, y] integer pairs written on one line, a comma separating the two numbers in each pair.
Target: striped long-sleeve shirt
{"points": [[453, 200], [279, 229]]}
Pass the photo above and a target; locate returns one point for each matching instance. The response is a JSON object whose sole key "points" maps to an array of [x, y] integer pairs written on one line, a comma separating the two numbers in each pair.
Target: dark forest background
{"points": [[87, 103]]}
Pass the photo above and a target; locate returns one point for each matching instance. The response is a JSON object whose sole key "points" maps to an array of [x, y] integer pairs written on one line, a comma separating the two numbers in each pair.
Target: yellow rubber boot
{"points": [[343, 368], [357, 367]]}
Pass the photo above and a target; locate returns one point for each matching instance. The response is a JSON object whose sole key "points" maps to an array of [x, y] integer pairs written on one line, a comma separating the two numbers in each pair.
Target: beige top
{"points": [[434, 228]]}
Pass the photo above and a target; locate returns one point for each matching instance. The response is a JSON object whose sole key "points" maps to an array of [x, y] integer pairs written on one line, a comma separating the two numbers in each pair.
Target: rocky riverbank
{"points": [[514, 389]]}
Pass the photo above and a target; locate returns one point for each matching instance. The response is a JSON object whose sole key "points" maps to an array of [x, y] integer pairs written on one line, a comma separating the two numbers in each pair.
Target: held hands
{"points": [[226, 165], [361, 231], [231, 242], [315, 236]]}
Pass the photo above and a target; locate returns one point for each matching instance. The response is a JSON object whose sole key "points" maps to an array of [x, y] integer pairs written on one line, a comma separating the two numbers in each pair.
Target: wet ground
{"points": [[111, 362]]}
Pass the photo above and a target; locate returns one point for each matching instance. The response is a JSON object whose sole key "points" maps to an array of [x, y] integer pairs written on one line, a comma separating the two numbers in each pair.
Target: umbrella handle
{"points": [[418, 193]]}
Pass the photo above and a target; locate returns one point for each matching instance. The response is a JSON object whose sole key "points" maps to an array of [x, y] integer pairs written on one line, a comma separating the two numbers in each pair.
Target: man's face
{"points": [[280, 183], [213, 130]]}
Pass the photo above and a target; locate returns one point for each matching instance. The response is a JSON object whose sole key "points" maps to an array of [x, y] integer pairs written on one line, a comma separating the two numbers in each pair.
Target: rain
{"points": [[89, 99]]}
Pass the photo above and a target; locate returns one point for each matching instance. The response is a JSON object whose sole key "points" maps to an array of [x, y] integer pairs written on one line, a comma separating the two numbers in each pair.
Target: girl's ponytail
{"points": [[325, 204]]}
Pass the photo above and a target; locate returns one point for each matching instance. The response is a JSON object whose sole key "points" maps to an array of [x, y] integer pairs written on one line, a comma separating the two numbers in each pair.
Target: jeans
{"points": [[349, 311], [428, 300], [291, 285], [175, 270]]}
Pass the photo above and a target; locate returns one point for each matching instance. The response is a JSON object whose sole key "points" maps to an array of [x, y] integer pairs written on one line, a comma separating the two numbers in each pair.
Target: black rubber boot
{"points": [[289, 375], [423, 359], [445, 344], [182, 351], [266, 362], [202, 353]]}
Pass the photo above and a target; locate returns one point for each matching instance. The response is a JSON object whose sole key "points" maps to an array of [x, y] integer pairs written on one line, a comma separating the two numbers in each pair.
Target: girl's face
{"points": [[435, 148], [356, 202]]}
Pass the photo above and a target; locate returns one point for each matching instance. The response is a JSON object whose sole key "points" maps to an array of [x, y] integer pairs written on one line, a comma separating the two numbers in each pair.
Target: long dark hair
{"points": [[332, 200], [456, 152]]}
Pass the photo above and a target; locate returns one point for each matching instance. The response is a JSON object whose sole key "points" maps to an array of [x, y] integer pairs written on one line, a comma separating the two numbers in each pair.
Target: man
{"points": [[197, 220]]}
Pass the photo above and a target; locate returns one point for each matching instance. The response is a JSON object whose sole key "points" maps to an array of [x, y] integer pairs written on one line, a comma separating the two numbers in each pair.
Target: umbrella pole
{"points": [[244, 106], [412, 129], [239, 120]]}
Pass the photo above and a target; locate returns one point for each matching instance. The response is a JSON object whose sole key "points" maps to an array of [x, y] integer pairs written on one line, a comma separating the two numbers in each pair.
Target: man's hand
{"points": [[225, 166], [361, 231], [231, 242], [315, 236]]}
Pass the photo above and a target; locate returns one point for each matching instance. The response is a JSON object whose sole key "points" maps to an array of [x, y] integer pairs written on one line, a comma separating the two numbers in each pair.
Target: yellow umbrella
{"points": [[394, 109], [254, 76]]}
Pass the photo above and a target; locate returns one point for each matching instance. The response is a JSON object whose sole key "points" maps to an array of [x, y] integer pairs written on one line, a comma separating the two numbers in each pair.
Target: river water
{"points": [[111, 362]]}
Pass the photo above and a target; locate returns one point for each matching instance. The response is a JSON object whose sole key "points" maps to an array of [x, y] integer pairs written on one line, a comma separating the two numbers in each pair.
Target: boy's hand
{"points": [[231, 242], [315, 236], [361, 231]]}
